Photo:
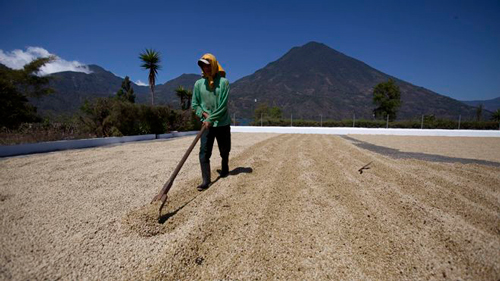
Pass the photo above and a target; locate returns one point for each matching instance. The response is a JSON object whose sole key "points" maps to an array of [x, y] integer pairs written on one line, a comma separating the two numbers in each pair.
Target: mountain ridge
{"points": [[307, 81], [490, 104], [315, 79], [73, 88]]}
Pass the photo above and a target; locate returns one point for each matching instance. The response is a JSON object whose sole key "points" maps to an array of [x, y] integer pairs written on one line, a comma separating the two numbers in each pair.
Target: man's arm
{"points": [[196, 102]]}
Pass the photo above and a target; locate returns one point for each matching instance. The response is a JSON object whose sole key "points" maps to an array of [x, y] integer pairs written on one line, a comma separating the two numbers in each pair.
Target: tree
{"points": [[275, 112], [479, 112], [261, 110], [496, 115], [185, 97], [151, 61], [126, 92], [387, 98], [14, 107], [15, 88], [96, 116], [269, 112], [27, 79]]}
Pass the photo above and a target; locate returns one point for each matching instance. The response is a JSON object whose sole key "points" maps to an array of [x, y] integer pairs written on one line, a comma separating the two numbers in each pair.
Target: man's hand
{"points": [[206, 123]]}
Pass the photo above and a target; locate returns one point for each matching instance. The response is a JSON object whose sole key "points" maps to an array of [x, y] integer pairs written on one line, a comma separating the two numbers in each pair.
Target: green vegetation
{"points": [[496, 116], [47, 130], [185, 97], [15, 88], [266, 116], [120, 116], [151, 61], [106, 117], [387, 98], [126, 92], [429, 123], [263, 111]]}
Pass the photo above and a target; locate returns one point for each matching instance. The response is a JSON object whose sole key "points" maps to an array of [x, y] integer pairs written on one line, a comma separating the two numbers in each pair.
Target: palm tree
{"points": [[151, 61], [496, 115], [185, 97]]}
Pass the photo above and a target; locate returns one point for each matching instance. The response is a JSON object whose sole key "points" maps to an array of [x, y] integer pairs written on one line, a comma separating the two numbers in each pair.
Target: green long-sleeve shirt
{"points": [[212, 102]]}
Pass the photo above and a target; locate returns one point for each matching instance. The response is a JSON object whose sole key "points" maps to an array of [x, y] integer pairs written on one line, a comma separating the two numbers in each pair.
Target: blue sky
{"points": [[450, 47]]}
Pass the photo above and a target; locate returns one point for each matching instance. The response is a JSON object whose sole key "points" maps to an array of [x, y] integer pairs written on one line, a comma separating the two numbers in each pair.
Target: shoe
{"points": [[202, 187], [224, 172], [205, 174]]}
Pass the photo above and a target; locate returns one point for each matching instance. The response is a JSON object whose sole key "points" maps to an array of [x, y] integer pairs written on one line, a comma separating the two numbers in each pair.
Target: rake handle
{"points": [[163, 193]]}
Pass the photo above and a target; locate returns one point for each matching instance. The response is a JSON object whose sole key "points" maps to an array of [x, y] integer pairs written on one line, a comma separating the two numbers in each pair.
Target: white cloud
{"points": [[140, 83], [18, 58]]}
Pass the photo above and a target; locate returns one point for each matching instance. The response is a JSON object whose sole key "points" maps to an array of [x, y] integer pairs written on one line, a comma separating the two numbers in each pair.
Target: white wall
{"points": [[29, 148]]}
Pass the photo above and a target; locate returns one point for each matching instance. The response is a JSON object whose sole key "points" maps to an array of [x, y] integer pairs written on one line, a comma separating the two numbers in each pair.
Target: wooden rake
{"points": [[163, 193]]}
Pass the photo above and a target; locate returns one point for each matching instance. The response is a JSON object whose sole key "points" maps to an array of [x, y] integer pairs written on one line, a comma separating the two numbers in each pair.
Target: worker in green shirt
{"points": [[209, 102]]}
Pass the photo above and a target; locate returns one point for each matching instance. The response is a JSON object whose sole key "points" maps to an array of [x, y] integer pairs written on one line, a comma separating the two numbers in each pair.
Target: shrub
{"points": [[114, 117]]}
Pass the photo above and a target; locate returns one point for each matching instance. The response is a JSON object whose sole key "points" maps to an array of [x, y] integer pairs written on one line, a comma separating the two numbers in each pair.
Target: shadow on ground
{"points": [[163, 218], [234, 172], [239, 170]]}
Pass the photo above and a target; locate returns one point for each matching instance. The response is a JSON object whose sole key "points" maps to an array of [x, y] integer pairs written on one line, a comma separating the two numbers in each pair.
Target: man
{"points": [[209, 102]]}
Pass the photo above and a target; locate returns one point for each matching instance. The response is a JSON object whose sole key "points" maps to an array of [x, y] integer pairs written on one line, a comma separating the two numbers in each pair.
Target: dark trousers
{"points": [[223, 136]]}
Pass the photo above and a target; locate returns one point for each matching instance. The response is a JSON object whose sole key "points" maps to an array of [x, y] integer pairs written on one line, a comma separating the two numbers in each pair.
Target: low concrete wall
{"points": [[29, 148], [365, 131], [177, 134]]}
